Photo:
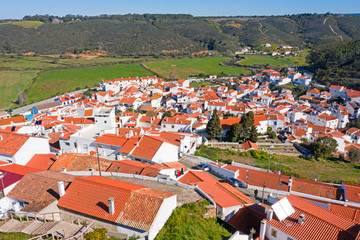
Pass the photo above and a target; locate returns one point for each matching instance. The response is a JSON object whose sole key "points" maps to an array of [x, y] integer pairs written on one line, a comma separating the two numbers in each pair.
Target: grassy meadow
{"points": [[274, 61], [10, 83], [51, 62], [56, 82], [182, 68], [325, 170]]}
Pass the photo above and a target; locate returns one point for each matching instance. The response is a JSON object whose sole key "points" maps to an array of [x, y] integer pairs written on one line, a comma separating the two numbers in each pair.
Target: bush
{"points": [[97, 234]]}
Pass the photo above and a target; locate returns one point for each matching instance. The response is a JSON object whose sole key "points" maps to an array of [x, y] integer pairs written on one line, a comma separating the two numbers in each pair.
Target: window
{"points": [[289, 238], [113, 147], [273, 232], [67, 144], [164, 125], [105, 121], [172, 126]]}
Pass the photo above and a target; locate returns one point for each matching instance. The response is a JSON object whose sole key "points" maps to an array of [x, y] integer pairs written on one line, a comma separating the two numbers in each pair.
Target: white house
{"points": [[20, 148]]}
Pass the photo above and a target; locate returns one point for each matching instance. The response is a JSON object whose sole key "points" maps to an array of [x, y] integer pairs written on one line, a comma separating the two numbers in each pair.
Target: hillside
{"points": [[136, 35], [337, 63]]}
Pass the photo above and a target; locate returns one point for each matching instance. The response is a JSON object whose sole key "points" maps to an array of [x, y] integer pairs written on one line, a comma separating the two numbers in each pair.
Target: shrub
{"points": [[97, 234]]}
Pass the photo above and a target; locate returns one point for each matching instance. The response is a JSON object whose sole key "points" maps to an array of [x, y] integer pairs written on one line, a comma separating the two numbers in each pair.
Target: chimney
{"points": [[111, 205], [262, 229], [92, 170], [117, 131], [301, 219], [290, 183], [64, 169], [61, 133], [1, 137], [269, 214], [57, 156], [61, 188]]}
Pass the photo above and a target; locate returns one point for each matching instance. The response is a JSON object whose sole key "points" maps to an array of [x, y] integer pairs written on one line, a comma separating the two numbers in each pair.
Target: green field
{"points": [[97, 60], [10, 83], [182, 68], [26, 62], [25, 24], [51, 62], [56, 82], [274, 61]]}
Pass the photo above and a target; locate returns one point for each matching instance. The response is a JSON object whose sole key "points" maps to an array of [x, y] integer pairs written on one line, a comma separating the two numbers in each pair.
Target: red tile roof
{"points": [[249, 145], [316, 188], [112, 139], [8, 121], [319, 223], [148, 147], [258, 119], [352, 192], [41, 161], [258, 178], [39, 189], [222, 194], [11, 142], [134, 167], [80, 162], [227, 123], [135, 206]]}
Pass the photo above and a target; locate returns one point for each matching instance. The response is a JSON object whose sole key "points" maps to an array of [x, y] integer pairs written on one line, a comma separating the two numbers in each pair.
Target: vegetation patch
{"points": [[273, 61], [56, 82], [11, 83], [14, 236], [326, 170], [182, 68], [187, 222], [25, 24]]}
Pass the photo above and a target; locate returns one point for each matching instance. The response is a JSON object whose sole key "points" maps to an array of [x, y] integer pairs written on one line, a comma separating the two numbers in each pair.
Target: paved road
{"points": [[24, 109]]}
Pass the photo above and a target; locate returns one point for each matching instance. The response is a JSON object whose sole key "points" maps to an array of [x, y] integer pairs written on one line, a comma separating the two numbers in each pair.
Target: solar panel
{"points": [[283, 209], [279, 211]]}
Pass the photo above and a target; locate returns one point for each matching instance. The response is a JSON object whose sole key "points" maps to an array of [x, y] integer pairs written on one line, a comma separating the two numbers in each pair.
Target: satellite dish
{"points": [[283, 209]]}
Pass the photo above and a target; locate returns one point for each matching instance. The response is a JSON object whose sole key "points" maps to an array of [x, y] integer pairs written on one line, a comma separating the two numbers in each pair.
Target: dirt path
{"points": [[338, 35], [326, 20], [263, 33]]}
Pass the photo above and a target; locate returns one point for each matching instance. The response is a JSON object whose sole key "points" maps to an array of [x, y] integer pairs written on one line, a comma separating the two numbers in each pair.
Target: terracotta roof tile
{"points": [[39, 189], [41, 161], [79, 162], [135, 206], [11, 142], [319, 223]]}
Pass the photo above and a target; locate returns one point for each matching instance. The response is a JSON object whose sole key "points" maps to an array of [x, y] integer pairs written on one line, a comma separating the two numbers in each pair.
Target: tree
{"points": [[253, 136], [21, 98], [166, 114], [324, 146], [247, 120], [213, 127], [233, 134], [354, 155]]}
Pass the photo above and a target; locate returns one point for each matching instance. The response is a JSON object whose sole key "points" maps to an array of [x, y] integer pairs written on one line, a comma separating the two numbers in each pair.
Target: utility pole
{"points": [[98, 158], [269, 163]]}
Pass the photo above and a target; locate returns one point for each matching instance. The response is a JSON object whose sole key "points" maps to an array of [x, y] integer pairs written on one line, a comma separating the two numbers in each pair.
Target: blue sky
{"points": [[20, 8]]}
